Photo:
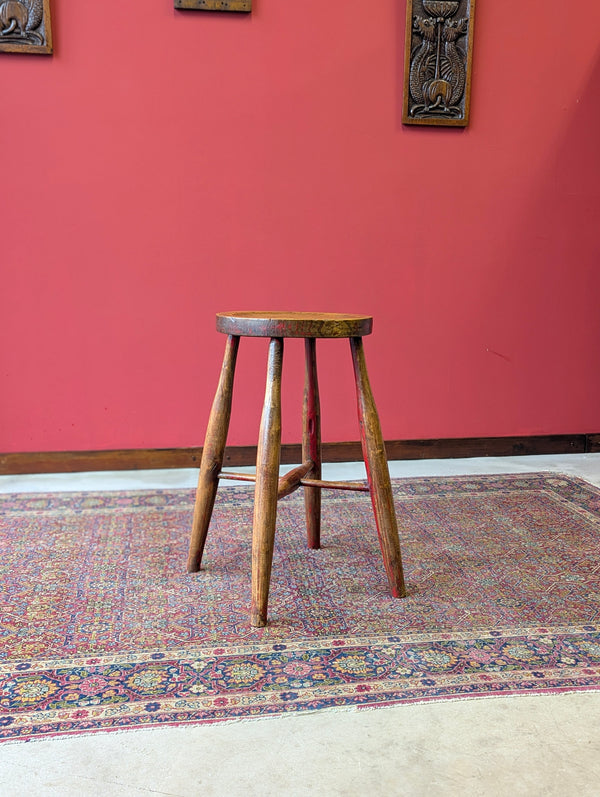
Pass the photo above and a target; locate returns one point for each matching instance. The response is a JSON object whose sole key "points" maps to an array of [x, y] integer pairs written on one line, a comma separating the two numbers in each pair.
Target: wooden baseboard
{"points": [[236, 456]]}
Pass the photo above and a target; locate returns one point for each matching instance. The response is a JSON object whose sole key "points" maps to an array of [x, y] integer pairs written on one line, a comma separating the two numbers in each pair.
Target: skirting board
{"points": [[236, 456]]}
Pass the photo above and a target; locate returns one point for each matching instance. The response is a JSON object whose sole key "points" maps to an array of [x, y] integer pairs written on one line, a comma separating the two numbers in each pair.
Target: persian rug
{"points": [[102, 629]]}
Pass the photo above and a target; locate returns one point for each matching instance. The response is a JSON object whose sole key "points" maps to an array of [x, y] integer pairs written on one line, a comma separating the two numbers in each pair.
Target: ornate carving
{"points": [[25, 26], [439, 46], [215, 5]]}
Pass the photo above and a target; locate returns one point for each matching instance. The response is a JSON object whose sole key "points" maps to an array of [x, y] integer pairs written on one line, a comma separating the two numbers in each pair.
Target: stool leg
{"points": [[378, 473], [311, 443], [267, 479], [212, 456]]}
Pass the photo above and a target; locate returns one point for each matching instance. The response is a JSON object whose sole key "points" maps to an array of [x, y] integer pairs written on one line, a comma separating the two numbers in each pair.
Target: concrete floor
{"points": [[531, 745]]}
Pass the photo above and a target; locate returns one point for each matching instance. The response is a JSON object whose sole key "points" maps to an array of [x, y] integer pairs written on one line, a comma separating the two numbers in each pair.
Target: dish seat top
{"points": [[263, 324]]}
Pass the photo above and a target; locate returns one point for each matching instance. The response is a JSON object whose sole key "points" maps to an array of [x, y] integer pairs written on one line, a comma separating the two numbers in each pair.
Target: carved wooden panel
{"points": [[215, 5], [25, 26], [438, 56]]}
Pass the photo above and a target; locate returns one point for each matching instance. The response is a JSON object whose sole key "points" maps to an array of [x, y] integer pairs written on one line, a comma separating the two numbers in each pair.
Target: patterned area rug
{"points": [[102, 629]]}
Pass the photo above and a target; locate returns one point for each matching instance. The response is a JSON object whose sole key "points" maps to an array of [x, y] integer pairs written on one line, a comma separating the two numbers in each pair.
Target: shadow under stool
{"points": [[269, 487]]}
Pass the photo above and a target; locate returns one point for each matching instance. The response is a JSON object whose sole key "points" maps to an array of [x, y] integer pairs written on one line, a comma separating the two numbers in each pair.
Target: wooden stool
{"points": [[269, 487]]}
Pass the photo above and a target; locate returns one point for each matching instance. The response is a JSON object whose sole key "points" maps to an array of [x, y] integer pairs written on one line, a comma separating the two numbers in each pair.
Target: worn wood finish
{"points": [[212, 456], [311, 444], [215, 5], [293, 480], [12, 464], [25, 27], [267, 482], [324, 484], [377, 473], [438, 59], [293, 325], [238, 477]]}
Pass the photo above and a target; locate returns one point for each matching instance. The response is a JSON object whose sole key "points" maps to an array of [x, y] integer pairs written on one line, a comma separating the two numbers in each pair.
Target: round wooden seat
{"points": [[294, 325]]}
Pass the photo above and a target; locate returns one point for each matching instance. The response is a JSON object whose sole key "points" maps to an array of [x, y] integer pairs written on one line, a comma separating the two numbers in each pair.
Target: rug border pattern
{"points": [[56, 696]]}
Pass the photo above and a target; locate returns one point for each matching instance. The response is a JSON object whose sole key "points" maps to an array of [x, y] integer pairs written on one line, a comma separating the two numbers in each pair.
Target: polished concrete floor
{"points": [[534, 745]]}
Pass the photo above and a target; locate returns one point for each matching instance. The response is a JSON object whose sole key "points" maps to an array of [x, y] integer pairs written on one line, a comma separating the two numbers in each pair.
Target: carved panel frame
{"points": [[438, 60], [25, 27]]}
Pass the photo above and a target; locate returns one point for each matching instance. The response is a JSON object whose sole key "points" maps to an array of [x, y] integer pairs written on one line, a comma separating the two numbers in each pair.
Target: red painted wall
{"points": [[165, 165]]}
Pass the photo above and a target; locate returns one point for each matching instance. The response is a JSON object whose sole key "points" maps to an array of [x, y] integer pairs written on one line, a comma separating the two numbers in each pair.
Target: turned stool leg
{"points": [[311, 444], [377, 472], [267, 479], [212, 456]]}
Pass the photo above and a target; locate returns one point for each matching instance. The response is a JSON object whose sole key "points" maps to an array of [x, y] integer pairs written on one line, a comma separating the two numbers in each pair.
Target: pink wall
{"points": [[165, 165]]}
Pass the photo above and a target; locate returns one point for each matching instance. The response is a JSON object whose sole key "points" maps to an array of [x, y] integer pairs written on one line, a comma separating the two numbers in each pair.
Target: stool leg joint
{"points": [[293, 480]]}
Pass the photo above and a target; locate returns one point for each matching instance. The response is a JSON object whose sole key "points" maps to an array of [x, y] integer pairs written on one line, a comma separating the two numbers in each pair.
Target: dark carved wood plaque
{"points": [[25, 26], [438, 56], [215, 5]]}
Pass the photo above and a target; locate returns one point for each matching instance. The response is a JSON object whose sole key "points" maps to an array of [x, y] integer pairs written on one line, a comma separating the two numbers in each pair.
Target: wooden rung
{"points": [[293, 479], [250, 477], [238, 477], [359, 488]]}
